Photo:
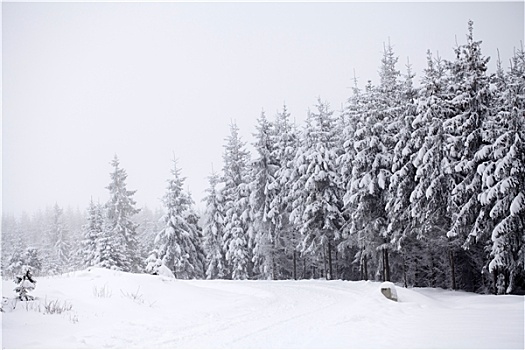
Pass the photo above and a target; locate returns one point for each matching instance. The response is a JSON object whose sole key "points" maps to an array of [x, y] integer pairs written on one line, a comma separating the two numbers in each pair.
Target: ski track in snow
{"points": [[169, 313]]}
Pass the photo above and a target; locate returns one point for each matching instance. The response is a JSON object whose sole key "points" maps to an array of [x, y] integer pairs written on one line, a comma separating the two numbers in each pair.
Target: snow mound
{"points": [[388, 289], [112, 309], [165, 272]]}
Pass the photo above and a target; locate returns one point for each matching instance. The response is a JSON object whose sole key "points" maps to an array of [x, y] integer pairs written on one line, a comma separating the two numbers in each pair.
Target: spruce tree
{"points": [[470, 103], [286, 234], [430, 199], [318, 208], [213, 230], [118, 244], [503, 183], [400, 228], [263, 228], [92, 231], [178, 243], [236, 240], [59, 246]]}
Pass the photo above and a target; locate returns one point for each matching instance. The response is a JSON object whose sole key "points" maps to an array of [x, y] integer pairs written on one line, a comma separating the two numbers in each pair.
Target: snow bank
{"points": [[111, 309]]}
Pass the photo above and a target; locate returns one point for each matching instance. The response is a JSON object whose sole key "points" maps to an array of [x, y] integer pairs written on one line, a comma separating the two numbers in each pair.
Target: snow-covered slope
{"points": [[112, 309]]}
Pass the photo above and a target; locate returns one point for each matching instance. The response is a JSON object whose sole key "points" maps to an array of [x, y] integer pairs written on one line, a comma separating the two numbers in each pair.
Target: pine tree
{"points": [[26, 283], [503, 182], [236, 221], [353, 121], [118, 244], [471, 100], [32, 259], [92, 232], [367, 192], [213, 230], [178, 243], [317, 208], [263, 228], [400, 228], [11, 244], [60, 246], [147, 231], [430, 208], [286, 234]]}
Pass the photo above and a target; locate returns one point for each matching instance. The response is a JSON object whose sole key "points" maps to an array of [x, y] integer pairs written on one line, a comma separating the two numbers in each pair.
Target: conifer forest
{"points": [[419, 182]]}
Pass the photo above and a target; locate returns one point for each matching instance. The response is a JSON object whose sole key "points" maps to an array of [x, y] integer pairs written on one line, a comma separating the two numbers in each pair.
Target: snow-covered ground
{"points": [[112, 309]]}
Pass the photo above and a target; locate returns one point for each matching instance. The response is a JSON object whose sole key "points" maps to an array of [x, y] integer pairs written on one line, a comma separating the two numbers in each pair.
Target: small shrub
{"points": [[136, 297], [26, 283], [56, 307], [102, 292]]}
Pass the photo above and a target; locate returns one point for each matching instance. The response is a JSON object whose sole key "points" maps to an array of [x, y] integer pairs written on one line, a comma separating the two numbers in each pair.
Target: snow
{"points": [[518, 204], [146, 311]]}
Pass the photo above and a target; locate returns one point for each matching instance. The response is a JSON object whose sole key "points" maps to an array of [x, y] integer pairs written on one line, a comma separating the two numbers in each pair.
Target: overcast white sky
{"points": [[85, 81]]}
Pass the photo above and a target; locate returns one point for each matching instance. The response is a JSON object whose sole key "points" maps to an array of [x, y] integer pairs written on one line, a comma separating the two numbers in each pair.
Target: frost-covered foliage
{"points": [[92, 230], [286, 139], [502, 173], [179, 242], [57, 245], [317, 199], [149, 225], [262, 193], [25, 283], [118, 243], [367, 191], [420, 185], [212, 230], [236, 240], [471, 97]]}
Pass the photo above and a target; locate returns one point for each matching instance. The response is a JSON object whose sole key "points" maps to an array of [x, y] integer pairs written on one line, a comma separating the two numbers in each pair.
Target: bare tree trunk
{"points": [[495, 280], [362, 266], [325, 270], [366, 268], [304, 268], [294, 265], [330, 273], [405, 283], [386, 266], [273, 267], [337, 269], [452, 267]]}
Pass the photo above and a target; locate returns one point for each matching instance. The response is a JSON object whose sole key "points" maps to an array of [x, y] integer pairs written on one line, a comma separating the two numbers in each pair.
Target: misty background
{"points": [[85, 81]]}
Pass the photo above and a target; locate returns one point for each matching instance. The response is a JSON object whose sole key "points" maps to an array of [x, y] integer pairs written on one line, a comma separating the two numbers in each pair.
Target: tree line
{"points": [[421, 185]]}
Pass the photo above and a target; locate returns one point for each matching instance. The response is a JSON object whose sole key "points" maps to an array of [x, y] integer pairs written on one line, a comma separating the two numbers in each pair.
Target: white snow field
{"points": [[111, 309]]}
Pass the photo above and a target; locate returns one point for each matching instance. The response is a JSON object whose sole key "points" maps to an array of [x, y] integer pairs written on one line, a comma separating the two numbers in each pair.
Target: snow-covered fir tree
{"points": [[213, 230], [366, 195], [434, 174], [287, 237], [179, 242], [118, 243], [318, 207], [470, 102], [59, 245], [236, 196], [25, 283], [422, 186], [92, 232], [11, 243], [402, 181], [263, 228], [503, 182], [353, 121], [149, 225]]}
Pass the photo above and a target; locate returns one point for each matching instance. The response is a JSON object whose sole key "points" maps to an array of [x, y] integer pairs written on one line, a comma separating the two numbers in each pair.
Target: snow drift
{"points": [[110, 309]]}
